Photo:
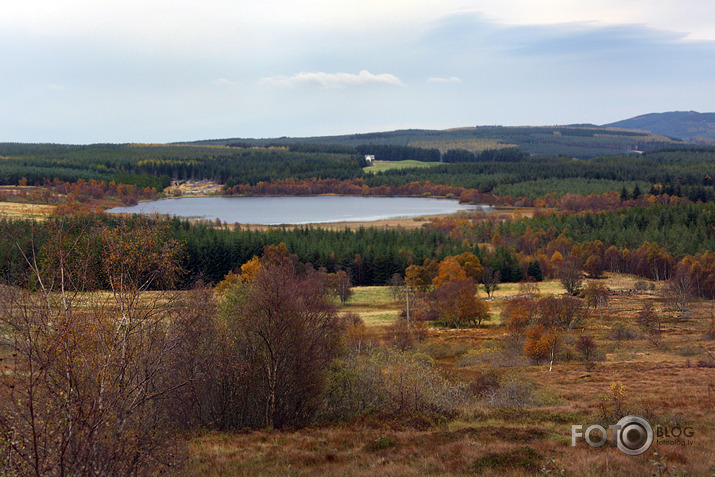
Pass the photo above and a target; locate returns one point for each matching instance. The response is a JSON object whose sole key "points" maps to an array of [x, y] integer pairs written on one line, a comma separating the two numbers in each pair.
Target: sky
{"points": [[157, 71]]}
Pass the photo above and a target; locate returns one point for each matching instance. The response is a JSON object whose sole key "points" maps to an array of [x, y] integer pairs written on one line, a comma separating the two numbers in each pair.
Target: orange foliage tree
{"points": [[455, 303]]}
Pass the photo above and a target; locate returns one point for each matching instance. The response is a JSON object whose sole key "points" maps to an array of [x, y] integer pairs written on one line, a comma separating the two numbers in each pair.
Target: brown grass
{"points": [[665, 385], [17, 210]]}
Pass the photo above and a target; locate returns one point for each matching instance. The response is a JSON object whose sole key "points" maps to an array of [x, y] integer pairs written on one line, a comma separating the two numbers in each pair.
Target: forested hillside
{"points": [[157, 165], [684, 171], [573, 141], [690, 126]]}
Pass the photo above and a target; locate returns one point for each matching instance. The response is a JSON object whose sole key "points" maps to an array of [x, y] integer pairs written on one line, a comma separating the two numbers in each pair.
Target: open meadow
{"points": [[381, 166], [522, 426]]}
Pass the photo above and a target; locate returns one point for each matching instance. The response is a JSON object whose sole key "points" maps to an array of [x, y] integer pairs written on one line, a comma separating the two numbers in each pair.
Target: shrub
{"points": [[623, 332], [512, 392], [613, 403], [687, 351], [641, 286], [507, 354], [710, 333], [588, 349], [484, 383], [390, 384], [708, 362]]}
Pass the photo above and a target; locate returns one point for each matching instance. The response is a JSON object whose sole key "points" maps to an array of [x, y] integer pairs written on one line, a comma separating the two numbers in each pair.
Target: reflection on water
{"points": [[297, 210]]}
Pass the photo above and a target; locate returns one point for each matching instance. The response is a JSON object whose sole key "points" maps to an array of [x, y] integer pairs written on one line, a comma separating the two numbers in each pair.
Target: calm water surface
{"points": [[297, 210]]}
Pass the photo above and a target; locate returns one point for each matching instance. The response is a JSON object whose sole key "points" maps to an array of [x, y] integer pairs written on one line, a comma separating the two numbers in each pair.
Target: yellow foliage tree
{"points": [[471, 265], [449, 271], [250, 269]]}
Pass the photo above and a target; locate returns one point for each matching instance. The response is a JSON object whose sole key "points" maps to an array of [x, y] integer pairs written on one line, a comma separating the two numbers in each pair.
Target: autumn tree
{"points": [[449, 270], [340, 285], [679, 292], [250, 269], [596, 295], [563, 312], [421, 277], [650, 322], [519, 313], [490, 280], [356, 335], [397, 286], [456, 304], [287, 331], [570, 275], [471, 265], [591, 255], [593, 266], [586, 345], [543, 343]]}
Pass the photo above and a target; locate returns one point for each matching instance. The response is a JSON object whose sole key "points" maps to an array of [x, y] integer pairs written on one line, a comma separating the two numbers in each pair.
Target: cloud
{"points": [[476, 36], [334, 80], [223, 82], [451, 79]]}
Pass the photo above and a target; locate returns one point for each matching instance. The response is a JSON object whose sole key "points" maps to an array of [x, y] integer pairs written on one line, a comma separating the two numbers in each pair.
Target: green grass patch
{"points": [[379, 166], [374, 305], [371, 296], [381, 443]]}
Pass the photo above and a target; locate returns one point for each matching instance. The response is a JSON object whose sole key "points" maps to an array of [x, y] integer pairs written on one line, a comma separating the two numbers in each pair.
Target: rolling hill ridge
{"points": [[690, 126]]}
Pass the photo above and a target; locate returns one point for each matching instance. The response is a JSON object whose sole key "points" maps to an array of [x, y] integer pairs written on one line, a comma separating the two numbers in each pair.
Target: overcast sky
{"points": [[86, 71]]}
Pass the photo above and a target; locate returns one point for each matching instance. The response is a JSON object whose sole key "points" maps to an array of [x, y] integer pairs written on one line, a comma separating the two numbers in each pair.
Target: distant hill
{"points": [[582, 140], [690, 126]]}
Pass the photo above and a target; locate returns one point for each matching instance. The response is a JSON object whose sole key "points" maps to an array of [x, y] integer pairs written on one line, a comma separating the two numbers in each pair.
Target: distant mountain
{"points": [[690, 126]]}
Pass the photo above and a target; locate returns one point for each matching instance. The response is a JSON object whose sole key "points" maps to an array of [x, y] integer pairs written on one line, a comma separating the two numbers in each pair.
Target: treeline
{"points": [[153, 166], [70, 195], [582, 141], [686, 172], [638, 240], [399, 153], [676, 173], [370, 255], [507, 154], [564, 201], [509, 172]]}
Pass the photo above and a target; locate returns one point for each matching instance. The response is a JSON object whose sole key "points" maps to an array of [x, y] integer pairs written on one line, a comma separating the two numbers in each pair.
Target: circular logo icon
{"points": [[634, 435]]}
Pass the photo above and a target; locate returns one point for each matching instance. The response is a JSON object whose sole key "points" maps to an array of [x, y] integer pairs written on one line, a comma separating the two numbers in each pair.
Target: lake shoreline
{"points": [[299, 210]]}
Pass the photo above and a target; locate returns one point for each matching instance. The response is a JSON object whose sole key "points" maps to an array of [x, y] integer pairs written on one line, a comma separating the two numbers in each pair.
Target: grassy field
{"points": [[374, 305], [16, 210], [668, 385], [472, 144], [379, 166]]}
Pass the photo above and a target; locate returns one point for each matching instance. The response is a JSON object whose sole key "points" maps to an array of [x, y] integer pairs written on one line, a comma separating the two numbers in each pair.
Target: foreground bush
{"points": [[88, 380], [391, 385]]}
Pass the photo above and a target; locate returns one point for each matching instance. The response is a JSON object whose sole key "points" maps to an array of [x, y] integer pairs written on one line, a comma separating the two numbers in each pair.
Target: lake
{"points": [[297, 210]]}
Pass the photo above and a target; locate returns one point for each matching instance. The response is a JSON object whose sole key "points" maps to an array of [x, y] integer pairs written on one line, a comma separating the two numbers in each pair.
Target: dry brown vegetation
{"points": [[673, 384]]}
